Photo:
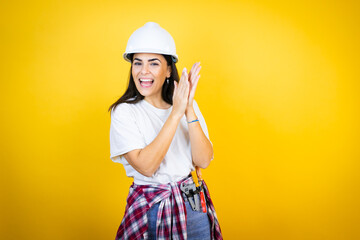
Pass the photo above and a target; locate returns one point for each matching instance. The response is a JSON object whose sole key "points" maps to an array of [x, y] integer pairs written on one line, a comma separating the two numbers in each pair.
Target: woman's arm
{"points": [[147, 160], [201, 148]]}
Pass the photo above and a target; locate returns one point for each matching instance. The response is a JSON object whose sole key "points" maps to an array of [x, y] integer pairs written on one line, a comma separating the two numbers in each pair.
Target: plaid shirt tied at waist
{"points": [[171, 217]]}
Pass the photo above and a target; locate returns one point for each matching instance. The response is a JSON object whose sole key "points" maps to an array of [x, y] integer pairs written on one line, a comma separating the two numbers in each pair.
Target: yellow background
{"points": [[279, 90]]}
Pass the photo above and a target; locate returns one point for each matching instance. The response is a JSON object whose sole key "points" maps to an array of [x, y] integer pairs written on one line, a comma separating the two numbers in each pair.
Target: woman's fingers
{"points": [[194, 67], [194, 77], [195, 82], [184, 74], [187, 88], [181, 91], [183, 80], [193, 88], [194, 71]]}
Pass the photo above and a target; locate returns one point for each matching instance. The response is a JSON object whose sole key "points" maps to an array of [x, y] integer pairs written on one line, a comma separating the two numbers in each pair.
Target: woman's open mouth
{"points": [[146, 82]]}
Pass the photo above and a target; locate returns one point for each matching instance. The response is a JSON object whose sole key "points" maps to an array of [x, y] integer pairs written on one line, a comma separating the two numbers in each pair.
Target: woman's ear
{"points": [[168, 72]]}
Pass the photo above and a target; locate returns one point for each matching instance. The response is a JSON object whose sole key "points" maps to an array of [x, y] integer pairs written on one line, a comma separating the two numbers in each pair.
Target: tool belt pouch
{"points": [[191, 194]]}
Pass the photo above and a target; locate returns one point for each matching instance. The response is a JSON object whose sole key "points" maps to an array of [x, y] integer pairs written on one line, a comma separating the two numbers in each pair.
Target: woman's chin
{"points": [[144, 93]]}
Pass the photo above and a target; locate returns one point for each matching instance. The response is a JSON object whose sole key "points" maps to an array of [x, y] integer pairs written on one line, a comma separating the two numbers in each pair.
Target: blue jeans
{"points": [[197, 224]]}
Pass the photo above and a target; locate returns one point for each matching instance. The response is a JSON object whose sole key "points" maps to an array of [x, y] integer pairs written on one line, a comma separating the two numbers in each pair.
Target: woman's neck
{"points": [[158, 102]]}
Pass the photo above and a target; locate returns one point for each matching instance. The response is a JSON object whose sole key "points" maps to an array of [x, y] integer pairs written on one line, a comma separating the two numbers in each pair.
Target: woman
{"points": [[158, 133]]}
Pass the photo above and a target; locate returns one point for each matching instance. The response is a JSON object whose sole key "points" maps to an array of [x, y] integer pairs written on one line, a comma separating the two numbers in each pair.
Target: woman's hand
{"points": [[193, 81], [181, 95]]}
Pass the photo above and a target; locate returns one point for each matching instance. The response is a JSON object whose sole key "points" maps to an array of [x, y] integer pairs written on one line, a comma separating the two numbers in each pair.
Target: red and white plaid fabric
{"points": [[171, 217]]}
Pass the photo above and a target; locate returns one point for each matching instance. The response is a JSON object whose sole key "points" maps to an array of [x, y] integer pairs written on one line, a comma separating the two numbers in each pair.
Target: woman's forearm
{"points": [[201, 148], [147, 160]]}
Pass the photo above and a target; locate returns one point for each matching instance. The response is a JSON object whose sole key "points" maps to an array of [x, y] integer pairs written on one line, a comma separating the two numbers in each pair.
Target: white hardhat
{"points": [[151, 38]]}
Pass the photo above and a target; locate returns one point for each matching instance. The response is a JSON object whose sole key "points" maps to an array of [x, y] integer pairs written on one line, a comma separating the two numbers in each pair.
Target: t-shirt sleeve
{"points": [[202, 122], [125, 135]]}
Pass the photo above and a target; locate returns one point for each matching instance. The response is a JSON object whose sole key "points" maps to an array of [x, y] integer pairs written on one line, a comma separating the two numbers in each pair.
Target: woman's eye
{"points": [[137, 63], [154, 64]]}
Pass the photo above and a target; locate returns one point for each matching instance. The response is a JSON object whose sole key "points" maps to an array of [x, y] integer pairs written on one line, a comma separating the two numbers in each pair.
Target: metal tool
{"points": [[192, 195]]}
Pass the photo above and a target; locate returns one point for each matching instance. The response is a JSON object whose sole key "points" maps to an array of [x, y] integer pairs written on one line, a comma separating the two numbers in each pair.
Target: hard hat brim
{"points": [[174, 57]]}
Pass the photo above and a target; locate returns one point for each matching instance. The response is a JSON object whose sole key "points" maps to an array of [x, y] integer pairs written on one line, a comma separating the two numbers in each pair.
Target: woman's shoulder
{"points": [[123, 108]]}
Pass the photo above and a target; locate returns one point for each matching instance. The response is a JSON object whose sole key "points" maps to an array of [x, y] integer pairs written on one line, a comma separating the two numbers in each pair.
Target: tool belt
{"points": [[193, 192]]}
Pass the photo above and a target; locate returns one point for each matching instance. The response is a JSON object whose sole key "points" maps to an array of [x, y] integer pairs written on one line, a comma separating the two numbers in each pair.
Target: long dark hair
{"points": [[132, 95]]}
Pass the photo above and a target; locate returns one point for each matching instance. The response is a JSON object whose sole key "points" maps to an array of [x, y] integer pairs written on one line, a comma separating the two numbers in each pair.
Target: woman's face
{"points": [[149, 71]]}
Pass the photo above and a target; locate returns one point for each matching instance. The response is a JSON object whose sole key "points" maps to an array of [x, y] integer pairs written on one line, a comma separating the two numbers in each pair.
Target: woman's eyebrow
{"points": [[153, 59], [150, 60]]}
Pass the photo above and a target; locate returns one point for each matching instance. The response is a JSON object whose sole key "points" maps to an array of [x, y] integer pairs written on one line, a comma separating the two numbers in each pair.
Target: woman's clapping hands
{"points": [[184, 91]]}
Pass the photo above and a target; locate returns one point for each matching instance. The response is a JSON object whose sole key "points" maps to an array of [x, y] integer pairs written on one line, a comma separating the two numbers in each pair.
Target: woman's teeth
{"points": [[146, 82]]}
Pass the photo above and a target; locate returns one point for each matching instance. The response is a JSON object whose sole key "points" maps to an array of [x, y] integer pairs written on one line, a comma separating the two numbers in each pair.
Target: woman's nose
{"points": [[144, 69]]}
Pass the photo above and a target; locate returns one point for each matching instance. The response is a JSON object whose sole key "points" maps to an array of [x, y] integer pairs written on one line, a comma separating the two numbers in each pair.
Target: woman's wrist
{"points": [[175, 116], [190, 114], [196, 120]]}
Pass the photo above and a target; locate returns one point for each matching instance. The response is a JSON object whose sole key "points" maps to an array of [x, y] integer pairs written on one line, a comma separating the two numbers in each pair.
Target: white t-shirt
{"points": [[134, 126]]}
